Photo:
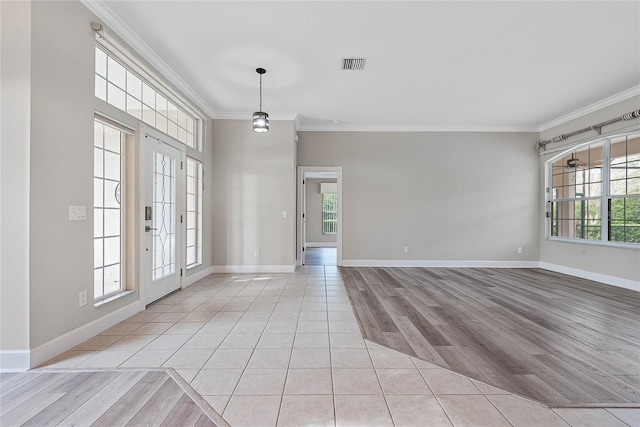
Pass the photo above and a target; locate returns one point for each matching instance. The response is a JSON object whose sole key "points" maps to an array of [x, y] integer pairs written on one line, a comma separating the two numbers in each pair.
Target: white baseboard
{"points": [[14, 360], [321, 245], [596, 277], [193, 278], [254, 268], [59, 345], [439, 263]]}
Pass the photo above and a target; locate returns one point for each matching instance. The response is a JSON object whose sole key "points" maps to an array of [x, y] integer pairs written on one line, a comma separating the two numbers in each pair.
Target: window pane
{"points": [[625, 220], [161, 104], [172, 130], [98, 159], [111, 279], [98, 222], [112, 222], [98, 131], [101, 63], [148, 115], [172, 112], [111, 250], [116, 73], [625, 165], [115, 96], [134, 86], [98, 253], [182, 135], [134, 107], [148, 96], [112, 138], [101, 88], [111, 194], [161, 123], [633, 186], [182, 119], [97, 283], [191, 255], [111, 166], [190, 125], [97, 192]]}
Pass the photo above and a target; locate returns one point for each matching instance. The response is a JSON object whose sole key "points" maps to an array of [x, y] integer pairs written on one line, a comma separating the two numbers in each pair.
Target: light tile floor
{"points": [[286, 350]]}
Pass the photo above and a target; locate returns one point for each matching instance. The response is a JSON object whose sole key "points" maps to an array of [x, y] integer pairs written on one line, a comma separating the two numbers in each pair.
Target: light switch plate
{"points": [[82, 298], [285, 214], [77, 213]]}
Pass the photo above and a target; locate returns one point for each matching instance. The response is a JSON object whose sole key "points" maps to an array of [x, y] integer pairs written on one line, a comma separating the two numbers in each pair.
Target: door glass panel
{"points": [[164, 207]]}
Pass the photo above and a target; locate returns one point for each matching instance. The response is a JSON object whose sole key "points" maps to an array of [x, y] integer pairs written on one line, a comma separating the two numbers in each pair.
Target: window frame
{"points": [[198, 196], [124, 209], [605, 197]]}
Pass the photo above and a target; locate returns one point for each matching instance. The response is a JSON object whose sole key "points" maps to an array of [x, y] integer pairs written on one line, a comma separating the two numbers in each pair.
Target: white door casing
{"points": [[301, 229]]}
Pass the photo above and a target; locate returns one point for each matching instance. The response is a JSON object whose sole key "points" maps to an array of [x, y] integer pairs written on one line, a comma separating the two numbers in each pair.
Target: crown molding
{"points": [[618, 97], [106, 15], [247, 116], [412, 128]]}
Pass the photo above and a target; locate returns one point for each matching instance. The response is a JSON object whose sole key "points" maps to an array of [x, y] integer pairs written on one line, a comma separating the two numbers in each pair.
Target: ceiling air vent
{"points": [[353, 63]]}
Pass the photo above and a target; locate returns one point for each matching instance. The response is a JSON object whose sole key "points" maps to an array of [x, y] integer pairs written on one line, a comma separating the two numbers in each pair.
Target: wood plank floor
{"points": [[320, 256], [557, 339], [99, 398]]}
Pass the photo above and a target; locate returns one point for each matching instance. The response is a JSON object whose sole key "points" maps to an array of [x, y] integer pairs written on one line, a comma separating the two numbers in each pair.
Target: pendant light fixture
{"points": [[260, 118]]}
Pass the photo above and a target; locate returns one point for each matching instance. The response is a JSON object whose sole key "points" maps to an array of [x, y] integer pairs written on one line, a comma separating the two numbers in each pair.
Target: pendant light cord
{"points": [[260, 92]]}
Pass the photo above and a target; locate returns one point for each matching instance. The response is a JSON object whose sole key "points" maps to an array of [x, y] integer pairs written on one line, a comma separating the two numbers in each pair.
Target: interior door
{"points": [[162, 241]]}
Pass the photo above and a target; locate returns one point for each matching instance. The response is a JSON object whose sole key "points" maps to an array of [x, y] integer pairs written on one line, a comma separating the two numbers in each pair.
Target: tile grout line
{"points": [[432, 392], [286, 378]]}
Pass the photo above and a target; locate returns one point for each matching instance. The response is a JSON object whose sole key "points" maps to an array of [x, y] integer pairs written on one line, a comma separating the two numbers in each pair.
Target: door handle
{"points": [[148, 228]]}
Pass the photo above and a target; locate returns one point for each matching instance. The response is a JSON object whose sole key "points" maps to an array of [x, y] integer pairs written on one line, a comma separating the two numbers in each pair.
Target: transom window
{"points": [[595, 191], [124, 89]]}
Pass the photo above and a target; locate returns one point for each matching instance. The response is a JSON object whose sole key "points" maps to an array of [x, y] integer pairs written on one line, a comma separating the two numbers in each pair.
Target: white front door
{"points": [[163, 192]]}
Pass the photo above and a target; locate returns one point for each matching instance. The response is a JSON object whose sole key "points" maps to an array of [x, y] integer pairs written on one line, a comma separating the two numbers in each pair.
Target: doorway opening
{"points": [[319, 236]]}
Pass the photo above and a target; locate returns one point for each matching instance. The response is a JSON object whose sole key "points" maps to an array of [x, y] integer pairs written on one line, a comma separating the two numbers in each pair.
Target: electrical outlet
{"points": [[406, 249], [256, 253], [82, 298], [285, 214], [519, 250]]}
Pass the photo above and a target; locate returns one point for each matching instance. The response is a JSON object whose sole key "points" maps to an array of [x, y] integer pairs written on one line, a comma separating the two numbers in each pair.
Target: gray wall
{"points": [[447, 196], [253, 183], [610, 261], [59, 172], [15, 86], [314, 212]]}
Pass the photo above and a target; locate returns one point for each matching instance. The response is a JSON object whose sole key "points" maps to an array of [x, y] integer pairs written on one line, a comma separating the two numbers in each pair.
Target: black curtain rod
{"points": [[596, 128]]}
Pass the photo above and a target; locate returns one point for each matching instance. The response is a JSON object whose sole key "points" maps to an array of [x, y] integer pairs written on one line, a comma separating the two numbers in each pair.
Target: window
{"points": [[595, 191], [624, 190], [107, 210], [194, 212], [126, 90], [329, 213]]}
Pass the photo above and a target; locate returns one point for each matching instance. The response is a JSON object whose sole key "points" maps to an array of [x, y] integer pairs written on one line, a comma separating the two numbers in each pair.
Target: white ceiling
{"points": [[458, 65]]}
